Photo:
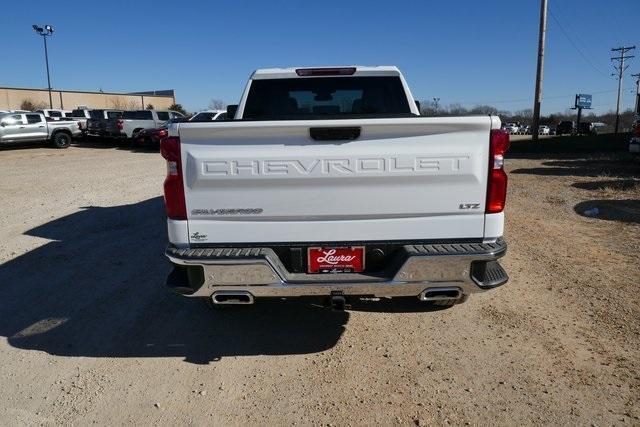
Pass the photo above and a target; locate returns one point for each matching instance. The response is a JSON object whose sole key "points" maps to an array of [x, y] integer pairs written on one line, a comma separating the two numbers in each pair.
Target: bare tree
{"points": [[217, 104], [117, 104], [29, 105]]}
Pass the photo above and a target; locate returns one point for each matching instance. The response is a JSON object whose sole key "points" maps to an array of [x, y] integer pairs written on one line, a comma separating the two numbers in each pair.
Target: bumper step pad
{"points": [[488, 274]]}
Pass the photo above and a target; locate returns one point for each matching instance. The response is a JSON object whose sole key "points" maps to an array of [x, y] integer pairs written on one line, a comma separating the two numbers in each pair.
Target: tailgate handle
{"points": [[335, 133]]}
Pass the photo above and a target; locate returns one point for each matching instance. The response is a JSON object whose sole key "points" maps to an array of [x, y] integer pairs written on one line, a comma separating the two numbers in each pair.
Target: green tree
{"points": [[149, 107], [178, 108]]}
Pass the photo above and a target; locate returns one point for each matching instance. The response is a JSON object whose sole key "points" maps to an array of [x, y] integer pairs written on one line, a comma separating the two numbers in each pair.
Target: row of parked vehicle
{"points": [[61, 126], [563, 128], [521, 129]]}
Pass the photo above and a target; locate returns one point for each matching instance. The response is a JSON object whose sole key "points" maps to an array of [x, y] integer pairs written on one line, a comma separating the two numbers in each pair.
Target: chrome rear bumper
{"points": [[469, 267]]}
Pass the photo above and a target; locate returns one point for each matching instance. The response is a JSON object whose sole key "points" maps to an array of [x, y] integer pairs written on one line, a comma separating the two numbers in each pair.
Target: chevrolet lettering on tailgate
{"points": [[349, 166]]}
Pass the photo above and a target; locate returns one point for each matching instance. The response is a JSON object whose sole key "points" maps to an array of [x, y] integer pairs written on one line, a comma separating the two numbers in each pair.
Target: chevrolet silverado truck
{"points": [[33, 127], [327, 182]]}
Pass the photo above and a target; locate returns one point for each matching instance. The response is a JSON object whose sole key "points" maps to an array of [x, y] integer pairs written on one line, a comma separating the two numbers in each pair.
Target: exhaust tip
{"points": [[232, 297], [440, 294]]}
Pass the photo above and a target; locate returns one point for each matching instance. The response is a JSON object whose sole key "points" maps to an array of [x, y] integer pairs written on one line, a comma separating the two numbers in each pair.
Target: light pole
{"points": [[45, 32]]}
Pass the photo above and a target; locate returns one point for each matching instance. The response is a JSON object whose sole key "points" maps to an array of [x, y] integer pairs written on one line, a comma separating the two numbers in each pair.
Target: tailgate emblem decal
{"points": [[469, 206], [198, 237]]}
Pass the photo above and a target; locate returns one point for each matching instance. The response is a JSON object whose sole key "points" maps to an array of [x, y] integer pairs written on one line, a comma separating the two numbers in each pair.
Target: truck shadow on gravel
{"points": [[622, 167], [96, 289], [611, 210]]}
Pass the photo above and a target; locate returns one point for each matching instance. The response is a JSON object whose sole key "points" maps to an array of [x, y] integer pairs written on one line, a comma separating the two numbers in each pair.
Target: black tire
{"points": [[61, 140], [122, 142]]}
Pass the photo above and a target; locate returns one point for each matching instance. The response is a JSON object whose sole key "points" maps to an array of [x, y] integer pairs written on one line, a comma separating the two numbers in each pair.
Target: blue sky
{"points": [[466, 51]]}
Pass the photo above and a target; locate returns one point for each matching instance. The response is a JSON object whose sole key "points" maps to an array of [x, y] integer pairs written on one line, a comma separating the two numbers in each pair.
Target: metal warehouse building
{"points": [[11, 98]]}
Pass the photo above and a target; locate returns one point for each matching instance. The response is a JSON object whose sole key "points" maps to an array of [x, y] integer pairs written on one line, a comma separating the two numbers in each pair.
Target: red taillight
{"points": [[497, 182], [636, 129], [304, 72], [120, 124], [173, 186]]}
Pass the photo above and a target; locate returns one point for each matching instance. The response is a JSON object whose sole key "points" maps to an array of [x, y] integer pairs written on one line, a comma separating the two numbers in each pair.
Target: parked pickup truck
{"points": [[96, 124], [133, 122], [328, 183], [33, 127], [81, 115]]}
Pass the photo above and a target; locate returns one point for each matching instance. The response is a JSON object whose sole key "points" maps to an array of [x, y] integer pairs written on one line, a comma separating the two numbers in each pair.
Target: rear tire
{"points": [[61, 140]]}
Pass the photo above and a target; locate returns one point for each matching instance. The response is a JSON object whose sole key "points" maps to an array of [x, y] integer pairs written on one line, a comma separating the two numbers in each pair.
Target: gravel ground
{"points": [[88, 334]]}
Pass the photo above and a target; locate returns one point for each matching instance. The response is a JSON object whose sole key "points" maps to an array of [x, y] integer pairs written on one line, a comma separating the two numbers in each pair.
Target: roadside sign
{"points": [[583, 101]]}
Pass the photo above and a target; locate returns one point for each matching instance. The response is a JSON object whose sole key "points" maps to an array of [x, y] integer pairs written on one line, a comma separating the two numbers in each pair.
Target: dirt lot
{"points": [[89, 334]]}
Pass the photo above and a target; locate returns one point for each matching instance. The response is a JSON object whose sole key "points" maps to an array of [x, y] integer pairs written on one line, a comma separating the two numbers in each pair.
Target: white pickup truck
{"points": [[33, 127], [328, 183]]}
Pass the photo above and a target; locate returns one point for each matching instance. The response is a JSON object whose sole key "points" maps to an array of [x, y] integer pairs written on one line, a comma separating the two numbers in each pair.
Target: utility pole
{"points": [[539, 70], [435, 102], [621, 68], [637, 106], [45, 32]]}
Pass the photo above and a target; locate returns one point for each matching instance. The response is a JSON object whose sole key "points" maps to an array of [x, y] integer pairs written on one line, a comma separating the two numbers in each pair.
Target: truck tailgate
{"points": [[402, 179]]}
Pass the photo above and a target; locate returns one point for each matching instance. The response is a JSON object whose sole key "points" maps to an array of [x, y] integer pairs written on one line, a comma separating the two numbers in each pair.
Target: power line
{"points": [[575, 34], [569, 95], [568, 37]]}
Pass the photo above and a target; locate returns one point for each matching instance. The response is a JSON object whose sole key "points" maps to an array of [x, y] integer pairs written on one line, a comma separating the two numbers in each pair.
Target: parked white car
{"points": [[209, 116], [524, 130], [334, 187], [512, 128], [544, 130]]}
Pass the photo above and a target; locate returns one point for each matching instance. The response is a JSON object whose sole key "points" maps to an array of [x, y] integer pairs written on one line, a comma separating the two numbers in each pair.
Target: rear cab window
{"points": [[137, 115], [162, 115], [33, 118], [78, 114], [96, 114], [114, 114], [326, 97]]}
